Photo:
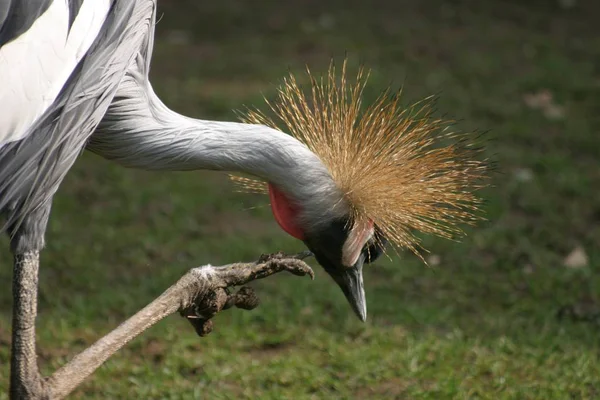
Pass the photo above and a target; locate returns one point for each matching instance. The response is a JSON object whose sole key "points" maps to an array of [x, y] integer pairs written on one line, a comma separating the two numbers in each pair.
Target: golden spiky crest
{"points": [[392, 163]]}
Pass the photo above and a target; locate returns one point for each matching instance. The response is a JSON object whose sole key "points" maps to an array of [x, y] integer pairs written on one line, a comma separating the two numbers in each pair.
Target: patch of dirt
{"points": [[394, 388], [269, 350], [191, 372], [154, 350]]}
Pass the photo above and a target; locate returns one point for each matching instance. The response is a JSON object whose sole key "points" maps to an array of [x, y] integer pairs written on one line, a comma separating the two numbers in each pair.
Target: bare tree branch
{"points": [[198, 295]]}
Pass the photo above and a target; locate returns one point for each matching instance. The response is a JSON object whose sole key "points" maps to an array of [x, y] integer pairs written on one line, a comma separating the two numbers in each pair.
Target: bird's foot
{"points": [[270, 264], [280, 255], [220, 298]]}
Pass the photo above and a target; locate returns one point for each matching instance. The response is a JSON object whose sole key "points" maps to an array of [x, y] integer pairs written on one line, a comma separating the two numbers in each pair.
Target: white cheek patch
{"points": [[360, 234]]}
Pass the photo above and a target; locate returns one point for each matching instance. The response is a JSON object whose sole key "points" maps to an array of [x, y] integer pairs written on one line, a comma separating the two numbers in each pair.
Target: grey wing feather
{"points": [[17, 16], [74, 6], [32, 169]]}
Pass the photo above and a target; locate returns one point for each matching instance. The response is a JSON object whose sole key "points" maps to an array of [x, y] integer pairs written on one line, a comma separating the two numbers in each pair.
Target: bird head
{"points": [[340, 246], [396, 170]]}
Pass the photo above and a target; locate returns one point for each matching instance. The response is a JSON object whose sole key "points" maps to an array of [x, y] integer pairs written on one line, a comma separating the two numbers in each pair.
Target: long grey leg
{"points": [[25, 379], [26, 244]]}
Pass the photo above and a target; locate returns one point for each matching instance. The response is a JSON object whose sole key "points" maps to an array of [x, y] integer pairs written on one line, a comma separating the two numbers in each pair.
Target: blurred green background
{"points": [[511, 312]]}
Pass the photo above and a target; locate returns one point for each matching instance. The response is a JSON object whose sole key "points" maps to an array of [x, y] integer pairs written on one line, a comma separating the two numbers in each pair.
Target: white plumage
{"points": [[35, 66]]}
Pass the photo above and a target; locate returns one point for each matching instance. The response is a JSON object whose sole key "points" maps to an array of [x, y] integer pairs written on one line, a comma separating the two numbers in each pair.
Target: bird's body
{"points": [[39, 148], [74, 75]]}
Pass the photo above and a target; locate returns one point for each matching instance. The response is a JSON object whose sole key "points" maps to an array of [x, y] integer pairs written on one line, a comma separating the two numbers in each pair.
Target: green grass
{"points": [[483, 324]]}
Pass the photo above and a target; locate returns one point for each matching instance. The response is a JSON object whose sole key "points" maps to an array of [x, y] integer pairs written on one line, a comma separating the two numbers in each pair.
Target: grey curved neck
{"points": [[139, 131]]}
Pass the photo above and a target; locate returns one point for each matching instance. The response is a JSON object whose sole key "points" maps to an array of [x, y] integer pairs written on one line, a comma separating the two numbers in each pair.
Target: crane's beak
{"points": [[328, 246], [350, 280]]}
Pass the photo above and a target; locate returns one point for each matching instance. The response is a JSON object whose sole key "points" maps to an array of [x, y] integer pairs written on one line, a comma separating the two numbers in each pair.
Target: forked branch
{"points": [[199, 295]]}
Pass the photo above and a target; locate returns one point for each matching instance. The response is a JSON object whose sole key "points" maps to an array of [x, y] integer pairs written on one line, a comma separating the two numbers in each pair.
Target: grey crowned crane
{"points": [[74, 76]]}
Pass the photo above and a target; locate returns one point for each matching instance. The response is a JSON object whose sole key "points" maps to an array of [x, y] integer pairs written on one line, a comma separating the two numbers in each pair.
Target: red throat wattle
{"points": [[285, 212]]}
